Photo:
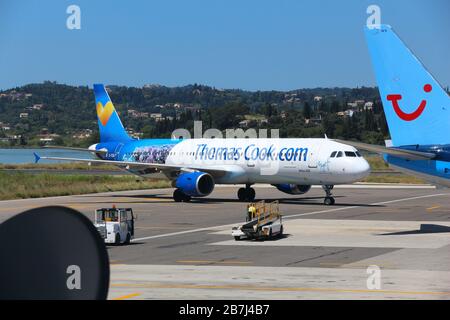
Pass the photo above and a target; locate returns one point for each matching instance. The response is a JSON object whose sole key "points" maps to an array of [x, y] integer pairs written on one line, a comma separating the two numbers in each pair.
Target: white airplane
{"points": [[195, 165]]}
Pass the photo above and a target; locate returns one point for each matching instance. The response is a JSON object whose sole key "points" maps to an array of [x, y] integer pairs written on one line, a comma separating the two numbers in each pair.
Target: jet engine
{"points": [[195, 184], [293, 188]]}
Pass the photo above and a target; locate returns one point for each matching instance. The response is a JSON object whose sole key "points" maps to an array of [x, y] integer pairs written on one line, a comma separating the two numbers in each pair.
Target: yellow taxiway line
{"points": [[260, 288], [213, 262], [128, 296], [433, 208]]}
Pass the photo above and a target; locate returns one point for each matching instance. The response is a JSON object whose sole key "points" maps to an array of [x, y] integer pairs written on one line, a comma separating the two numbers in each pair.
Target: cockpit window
{"points": [[333, 154], [358, 154], [339, 154], [350, 154]]}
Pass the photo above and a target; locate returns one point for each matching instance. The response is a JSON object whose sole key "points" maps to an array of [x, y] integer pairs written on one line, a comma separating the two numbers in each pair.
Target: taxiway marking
{"points": [[213, 262], [287, 217], [128, 296], [276, 289]]}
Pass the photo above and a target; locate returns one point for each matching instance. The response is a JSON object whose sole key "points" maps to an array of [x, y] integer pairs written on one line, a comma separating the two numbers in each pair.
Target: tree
{"points": [[307, 112], [329, 125], [369, 120], [335, 107], [383, 125], [268, 110]]}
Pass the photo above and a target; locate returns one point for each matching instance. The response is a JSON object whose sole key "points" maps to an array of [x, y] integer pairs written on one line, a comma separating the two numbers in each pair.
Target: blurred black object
{"points": [[52, 253]]}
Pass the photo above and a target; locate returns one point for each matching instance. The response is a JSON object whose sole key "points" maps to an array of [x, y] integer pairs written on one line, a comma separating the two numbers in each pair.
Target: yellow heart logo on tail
{"points": [[104, 112]]}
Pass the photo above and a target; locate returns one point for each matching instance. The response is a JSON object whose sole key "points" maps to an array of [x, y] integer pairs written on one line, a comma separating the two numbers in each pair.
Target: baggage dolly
{"points": [[264, 221]]}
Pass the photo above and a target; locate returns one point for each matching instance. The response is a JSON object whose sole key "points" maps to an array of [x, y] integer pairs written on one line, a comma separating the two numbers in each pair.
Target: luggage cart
{"points": [[265, 222]]}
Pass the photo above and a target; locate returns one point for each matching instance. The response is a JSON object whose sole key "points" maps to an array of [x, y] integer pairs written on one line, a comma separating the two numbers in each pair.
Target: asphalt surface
{"points": [[185, 250]]}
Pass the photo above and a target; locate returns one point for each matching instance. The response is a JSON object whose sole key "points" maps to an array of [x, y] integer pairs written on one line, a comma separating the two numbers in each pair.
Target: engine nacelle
{"points": [[195, 184], [293, 188]]}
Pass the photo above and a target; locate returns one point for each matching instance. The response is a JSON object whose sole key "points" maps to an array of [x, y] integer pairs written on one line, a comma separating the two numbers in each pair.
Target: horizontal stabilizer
{"points": [[76, 149], [36, 157]]}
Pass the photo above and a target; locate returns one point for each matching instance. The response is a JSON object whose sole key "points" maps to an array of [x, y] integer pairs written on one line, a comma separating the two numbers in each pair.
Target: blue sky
{"points": [[251, 44]]}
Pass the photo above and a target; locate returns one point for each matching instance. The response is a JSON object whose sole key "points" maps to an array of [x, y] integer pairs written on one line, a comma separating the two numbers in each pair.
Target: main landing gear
{"points": [[179, 196], [329, 200], [246, 194]]}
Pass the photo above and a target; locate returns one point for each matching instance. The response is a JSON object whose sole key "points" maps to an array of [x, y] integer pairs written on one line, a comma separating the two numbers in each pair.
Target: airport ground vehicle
{"points": [[265, 222], [115, 225]]}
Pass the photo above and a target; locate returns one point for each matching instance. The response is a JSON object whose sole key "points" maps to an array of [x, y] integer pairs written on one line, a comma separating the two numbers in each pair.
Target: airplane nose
{"points": [[362, 169], [358, 169]]}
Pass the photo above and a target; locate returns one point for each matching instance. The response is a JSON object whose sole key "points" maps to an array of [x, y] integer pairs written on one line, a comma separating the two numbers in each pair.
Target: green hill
{"points": [[55, 113]]}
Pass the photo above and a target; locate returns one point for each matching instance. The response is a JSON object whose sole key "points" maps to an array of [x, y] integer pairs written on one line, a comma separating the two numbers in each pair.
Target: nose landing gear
{"points": [[246, 194], [329, 200]]}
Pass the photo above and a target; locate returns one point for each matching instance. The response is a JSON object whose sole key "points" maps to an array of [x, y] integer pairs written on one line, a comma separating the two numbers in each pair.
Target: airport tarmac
{"points": [[185, 250]]}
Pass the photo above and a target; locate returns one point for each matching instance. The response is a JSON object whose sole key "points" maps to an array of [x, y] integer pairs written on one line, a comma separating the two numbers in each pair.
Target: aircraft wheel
{"points": [[328, 201], [251, 194], [178, 195], [246, 194], [242, 194]]}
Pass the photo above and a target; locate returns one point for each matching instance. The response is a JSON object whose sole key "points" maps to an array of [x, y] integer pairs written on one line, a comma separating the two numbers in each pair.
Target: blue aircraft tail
{"points": [[417, 108], [110, 126]]}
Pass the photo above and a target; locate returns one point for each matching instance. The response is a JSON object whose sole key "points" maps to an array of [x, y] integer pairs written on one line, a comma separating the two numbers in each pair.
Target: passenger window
{"points": [[333, 154], [350, 154], [339, 154]]}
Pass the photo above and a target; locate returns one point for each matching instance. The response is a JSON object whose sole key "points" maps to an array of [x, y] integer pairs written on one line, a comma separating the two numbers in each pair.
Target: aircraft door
{"points": [[130, 221], [313, 156], [123, 222]]}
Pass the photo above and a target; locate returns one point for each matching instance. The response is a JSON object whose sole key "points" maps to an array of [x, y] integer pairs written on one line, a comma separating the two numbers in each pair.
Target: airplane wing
{"points": [[76, 149], [141, 166], [397, 152]]}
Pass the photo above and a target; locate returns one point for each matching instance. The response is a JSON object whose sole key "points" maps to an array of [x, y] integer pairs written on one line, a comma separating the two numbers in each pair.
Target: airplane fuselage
{"points": [[194, 166], [249, 161]]}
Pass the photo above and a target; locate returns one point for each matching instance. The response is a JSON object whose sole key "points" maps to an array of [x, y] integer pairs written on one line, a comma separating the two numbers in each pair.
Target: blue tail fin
{"points": [[417, 108], [110, 126]]}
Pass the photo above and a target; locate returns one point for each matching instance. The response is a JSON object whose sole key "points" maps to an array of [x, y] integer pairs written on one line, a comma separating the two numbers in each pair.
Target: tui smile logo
{"points": [[104, 112], [394, 98]]}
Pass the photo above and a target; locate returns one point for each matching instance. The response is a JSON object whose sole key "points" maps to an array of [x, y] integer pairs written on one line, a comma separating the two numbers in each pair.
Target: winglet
{"points": [[36, 157]]}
